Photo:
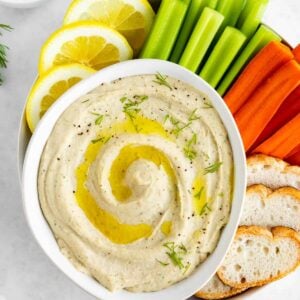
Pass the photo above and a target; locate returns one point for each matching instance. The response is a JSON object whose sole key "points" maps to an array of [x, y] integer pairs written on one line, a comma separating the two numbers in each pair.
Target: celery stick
{"points": [[201, 38], [251, 16], [190, 21], [165, 29], [231, 10], [222, 55], [211, 3], [193, 14], [261, 38]]}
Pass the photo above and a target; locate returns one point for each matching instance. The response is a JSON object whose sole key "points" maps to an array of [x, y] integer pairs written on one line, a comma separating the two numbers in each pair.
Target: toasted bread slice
{"points": [[259, 256], [216, 289], [272, 172], [264, 207]]}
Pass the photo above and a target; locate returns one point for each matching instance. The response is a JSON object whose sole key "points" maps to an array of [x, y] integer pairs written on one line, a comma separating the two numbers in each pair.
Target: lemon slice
{"points": [[87, 43], [49, 87], [132, 18]]}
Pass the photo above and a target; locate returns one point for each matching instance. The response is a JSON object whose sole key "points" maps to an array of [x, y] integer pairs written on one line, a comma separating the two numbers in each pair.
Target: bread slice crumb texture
{"points": [[259, 256], [268, 208]]}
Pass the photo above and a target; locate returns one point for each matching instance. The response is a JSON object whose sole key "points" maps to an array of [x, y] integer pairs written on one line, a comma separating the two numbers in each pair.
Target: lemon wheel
{"points": [[132, 18], [87, 43], [49, 87]]}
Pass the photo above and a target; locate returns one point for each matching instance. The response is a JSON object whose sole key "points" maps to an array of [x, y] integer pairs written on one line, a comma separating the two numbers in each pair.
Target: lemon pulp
{"points": [[55, 92]]}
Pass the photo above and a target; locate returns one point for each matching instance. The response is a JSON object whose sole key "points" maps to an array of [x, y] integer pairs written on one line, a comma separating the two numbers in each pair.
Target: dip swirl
{"points": [[135, 182]]}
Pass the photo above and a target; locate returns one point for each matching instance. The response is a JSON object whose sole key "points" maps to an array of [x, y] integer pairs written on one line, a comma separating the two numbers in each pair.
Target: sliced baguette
{"points": [[259, 256], [264, 207], [216, 289], [272, 172]]}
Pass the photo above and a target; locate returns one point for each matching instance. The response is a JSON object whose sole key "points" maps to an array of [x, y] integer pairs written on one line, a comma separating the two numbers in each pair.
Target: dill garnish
{"points": [[199, 194], [213, 168], [204, 208], [161, 80], [166, 118], [176, 131], [162, 263], [189, 150], [178, 125], [3, 49], [175, 253], [99, 120], [193, 116], [207, 105], [130, 107], [102, 139]]}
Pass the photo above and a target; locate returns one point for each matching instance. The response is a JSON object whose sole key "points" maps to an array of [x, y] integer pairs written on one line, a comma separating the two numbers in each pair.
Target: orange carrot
{"points": [[294, 151], [287, 111], [253, 117], [272, 56], [285, 140], [296, 53], [294, 157]]}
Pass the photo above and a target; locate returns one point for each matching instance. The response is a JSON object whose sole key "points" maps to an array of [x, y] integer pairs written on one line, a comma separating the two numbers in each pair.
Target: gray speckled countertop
{"points": [[25, 271]]}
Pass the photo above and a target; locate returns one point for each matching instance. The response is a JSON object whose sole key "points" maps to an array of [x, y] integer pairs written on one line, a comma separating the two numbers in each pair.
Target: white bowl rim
{"points": [[39, 225]]}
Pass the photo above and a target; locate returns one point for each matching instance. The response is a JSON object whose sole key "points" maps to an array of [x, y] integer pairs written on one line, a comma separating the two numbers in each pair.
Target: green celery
{"points": [[231, 10], [193, 14], [201, 38], [165, 29], [211, 3], [190, 21], [261, 38], [222, 55], [251, 16]]}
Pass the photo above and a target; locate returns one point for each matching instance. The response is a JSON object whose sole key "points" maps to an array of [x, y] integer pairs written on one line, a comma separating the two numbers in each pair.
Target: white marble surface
{"points": [[25, 271]]}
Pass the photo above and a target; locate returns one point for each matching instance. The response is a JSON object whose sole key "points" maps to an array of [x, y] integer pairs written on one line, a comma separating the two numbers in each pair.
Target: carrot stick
{"points": [[285, 140], [296, 53], [287, 111], [294, 159], [294, 156], [254, 116], [260, 67], [294, 151]]}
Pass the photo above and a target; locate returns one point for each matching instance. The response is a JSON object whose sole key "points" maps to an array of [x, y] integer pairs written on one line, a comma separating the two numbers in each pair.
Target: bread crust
{"points": [[216, 296], [274, 162], [268, 193], [274, 234]]}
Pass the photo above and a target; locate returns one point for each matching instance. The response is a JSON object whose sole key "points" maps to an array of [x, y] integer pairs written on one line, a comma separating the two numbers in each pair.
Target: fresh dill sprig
{"points": [[204, 208], [174, 256], [161, 80], [189, 150], [166, 117], [5, 27], [3, 49], [213, 168], [177, 130], [207, 105], [193, 115], [102, 139], [131, 107], [199, 193], [99, 118], [162, 263], [176, 253], [178, 125]]}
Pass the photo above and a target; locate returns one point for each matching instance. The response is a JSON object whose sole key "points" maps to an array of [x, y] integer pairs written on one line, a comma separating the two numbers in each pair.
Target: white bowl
{"points": [[39, 225]]}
